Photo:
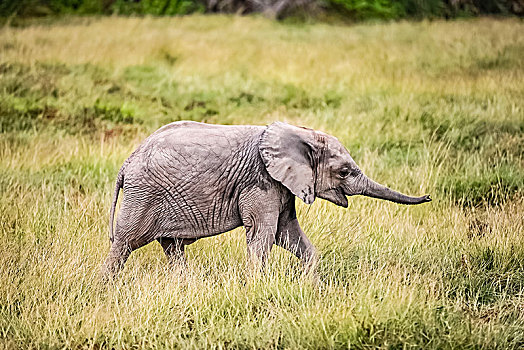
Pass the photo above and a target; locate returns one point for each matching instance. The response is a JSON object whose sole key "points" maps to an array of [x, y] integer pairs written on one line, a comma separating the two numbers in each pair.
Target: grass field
{"points": [[427, 107]]}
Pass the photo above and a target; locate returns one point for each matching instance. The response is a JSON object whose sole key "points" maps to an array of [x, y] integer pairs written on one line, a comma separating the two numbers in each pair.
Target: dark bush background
{"points": [[345, 9]]}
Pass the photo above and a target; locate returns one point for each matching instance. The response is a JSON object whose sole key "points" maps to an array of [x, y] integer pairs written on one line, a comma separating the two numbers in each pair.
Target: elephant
{"points": [[190, 180]]}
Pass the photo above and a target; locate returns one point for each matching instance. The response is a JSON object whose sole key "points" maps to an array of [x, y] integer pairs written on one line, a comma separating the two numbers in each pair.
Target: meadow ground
{"points": [[427, 107]]}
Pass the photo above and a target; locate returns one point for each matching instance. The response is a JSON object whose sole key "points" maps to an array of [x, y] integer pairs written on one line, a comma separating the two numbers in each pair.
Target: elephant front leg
{"points": [[259, 211], [260, 228], [260, 238], [291, 237]]}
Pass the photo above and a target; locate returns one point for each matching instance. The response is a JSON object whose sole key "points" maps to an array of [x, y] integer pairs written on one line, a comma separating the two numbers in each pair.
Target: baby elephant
{"points": [[191, 180]]}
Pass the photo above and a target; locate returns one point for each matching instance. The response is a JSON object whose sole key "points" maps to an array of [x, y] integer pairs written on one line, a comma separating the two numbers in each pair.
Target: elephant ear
{"points": [[287, 153]]}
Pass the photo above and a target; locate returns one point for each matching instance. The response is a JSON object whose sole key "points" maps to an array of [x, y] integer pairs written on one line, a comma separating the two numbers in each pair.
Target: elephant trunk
{"points": [[375, 190]]}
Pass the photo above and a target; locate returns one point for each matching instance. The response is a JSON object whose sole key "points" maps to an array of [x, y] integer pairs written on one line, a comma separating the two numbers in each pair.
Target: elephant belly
{"points": [[196, 217]]}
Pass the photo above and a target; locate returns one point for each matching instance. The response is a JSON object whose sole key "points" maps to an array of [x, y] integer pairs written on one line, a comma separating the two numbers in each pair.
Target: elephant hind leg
{"points": [[135, 227], [174, 249], [116, 259]]}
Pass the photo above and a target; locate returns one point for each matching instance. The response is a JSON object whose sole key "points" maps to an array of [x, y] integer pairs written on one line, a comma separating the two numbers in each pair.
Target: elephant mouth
{"points": [[335, 195]]}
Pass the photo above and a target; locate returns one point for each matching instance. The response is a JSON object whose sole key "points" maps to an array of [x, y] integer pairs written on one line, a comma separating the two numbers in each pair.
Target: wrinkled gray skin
{"points": [[191, 180]]}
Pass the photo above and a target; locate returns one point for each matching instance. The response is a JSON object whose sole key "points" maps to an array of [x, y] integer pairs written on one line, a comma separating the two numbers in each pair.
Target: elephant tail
{"points": [[119, 184]]}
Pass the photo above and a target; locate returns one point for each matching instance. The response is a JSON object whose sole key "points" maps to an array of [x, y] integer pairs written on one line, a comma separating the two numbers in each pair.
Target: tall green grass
{"points": [[423, 107]]}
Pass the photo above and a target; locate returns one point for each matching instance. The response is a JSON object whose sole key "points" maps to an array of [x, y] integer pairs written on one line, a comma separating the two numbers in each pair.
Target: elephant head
{"points": [[313, 164]]}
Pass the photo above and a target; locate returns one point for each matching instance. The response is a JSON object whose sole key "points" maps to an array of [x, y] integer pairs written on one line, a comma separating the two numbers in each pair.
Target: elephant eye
{"points": [[344, 173]]}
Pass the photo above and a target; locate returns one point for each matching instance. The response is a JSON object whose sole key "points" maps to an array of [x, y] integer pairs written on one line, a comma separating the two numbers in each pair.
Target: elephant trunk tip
{"points": [[425, 199], [414, 200]]}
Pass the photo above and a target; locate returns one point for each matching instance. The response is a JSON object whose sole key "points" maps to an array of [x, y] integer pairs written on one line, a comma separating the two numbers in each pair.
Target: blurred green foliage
{"points": [[349, 9], [362, 9], [157, 7]]}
